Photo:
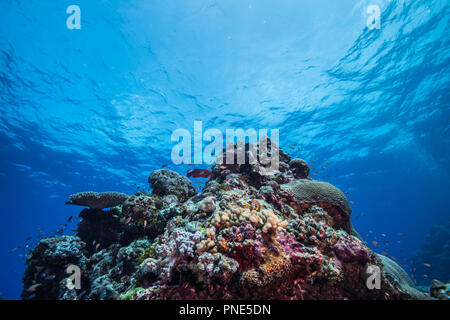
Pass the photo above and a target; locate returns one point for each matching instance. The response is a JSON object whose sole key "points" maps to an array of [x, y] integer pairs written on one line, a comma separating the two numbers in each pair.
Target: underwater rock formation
{"points": [[299, 168], [97, 200], [440, 290], [246, 236]]}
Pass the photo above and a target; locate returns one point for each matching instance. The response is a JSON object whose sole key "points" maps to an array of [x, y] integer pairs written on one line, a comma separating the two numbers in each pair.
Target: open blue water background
{"points": [[93, 109]]}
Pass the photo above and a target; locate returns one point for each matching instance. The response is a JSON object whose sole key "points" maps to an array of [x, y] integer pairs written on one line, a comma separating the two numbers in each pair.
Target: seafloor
{"points": [[246, 236]]}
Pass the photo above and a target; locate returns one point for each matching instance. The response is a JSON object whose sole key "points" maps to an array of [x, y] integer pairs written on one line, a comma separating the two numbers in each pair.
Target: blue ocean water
{"points": [[94, 109]]}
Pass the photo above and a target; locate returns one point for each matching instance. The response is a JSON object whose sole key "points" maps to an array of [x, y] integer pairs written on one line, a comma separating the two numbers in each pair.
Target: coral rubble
{"points": [[246, 236]]}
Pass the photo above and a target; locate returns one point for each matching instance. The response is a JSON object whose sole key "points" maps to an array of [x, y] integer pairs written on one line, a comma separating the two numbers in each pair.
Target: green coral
{"points": [[150, 252], [129, 295]]}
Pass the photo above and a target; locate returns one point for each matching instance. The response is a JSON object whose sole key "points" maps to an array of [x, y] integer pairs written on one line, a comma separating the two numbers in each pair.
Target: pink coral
{"points": [[351, 250]]}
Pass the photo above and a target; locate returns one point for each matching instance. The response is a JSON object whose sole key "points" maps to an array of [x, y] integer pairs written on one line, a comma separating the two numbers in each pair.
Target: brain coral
{"points": [[310, 192], [165, 182], [97, 200]]}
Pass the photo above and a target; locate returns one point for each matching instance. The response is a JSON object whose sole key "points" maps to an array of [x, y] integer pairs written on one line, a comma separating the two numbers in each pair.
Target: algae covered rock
{"points": [[167, 182], [440, 290], [47, 264]]}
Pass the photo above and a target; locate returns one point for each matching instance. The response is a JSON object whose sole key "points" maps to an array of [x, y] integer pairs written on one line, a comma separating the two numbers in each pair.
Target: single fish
{"points": [[199, 173], [427, 265], [13, 250], [33, 287]]}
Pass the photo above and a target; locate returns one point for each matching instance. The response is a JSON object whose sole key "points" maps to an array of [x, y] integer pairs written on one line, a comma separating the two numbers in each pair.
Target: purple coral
{"points": [[176, 247], [351, 250]]}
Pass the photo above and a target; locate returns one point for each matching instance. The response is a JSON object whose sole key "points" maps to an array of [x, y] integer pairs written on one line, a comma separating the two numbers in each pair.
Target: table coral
{"points": [[97, 200]]}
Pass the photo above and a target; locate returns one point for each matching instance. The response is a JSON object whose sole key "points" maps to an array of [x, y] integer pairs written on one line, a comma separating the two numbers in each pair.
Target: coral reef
{"points": [[97, 200], [248, 235]]}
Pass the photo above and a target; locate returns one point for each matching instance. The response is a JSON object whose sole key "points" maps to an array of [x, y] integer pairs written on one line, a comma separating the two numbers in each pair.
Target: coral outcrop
{"points": [[248, 235], [167, 182], [440, 290], [299, 168]]}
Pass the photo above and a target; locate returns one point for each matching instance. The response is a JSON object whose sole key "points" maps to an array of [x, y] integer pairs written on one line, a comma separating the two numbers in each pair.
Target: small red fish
{"points": [[199, 173], [256, 203], [164, 165]]}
